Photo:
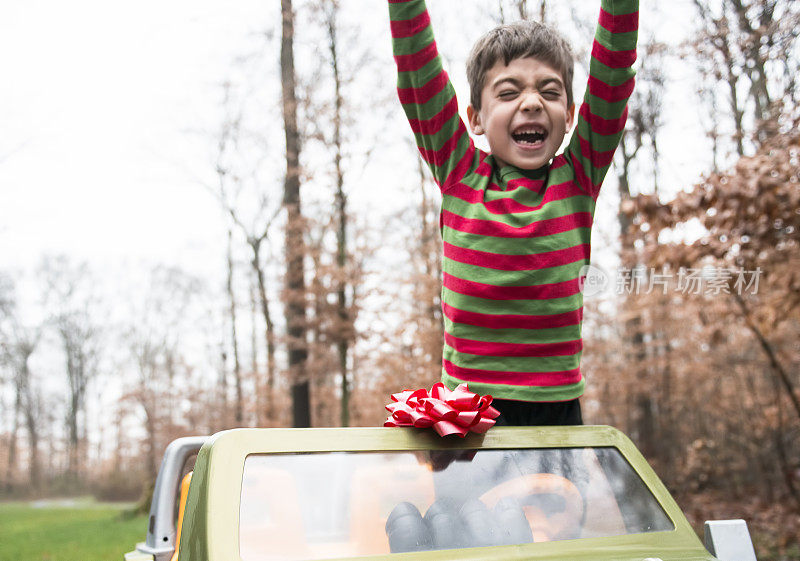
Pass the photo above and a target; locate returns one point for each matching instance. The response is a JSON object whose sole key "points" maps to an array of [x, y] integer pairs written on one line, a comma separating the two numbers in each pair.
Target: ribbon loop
{"points": [[449, 412]]}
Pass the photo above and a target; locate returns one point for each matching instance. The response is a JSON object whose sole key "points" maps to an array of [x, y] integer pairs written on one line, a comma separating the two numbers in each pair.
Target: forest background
{"points": [[303, 287]]}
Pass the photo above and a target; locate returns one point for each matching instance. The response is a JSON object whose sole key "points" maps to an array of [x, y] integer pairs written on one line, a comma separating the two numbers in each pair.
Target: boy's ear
{"points": [[570, 116], [474, 118]]}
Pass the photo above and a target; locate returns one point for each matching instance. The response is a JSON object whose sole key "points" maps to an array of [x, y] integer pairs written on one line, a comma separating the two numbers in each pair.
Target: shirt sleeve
{"points": [[601, 118], [427, 96]]}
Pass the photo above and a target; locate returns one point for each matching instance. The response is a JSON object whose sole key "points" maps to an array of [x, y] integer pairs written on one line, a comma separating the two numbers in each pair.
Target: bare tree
{"points": [[256, 244], [256, 239], [295, 288], [520, 10], [228, 135], [154, 338], [748, 47], [342, 333], [340, 129], [261, 387], [16, 348], [641, 131], [237, 368], [343, 342], [750, 226], [427, 257], [6, 297], [68, 296], [18, 342], [232, 179], [6, 308]]}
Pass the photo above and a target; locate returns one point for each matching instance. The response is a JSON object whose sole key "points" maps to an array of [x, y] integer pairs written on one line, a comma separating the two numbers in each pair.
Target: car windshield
{"points": [[343, 504]]}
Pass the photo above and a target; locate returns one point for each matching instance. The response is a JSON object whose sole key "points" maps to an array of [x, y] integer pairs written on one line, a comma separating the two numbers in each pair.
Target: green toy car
{"points": [[378, 493]]}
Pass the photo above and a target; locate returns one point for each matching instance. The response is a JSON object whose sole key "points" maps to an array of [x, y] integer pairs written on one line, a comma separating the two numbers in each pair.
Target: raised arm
{"points": [[427, 96], [601, 119]]}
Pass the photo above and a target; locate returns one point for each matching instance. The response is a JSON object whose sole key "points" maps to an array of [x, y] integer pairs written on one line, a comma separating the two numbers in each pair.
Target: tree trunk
{"points": [[260, 385], [150, 429], [522, 9], [769, 350], [432, 260], [641, 410], [738, 114], [33, 444], [30, 410], [74, 339], [717, 28], [754, 66], [11, 466], [786, 467], [343, 342], [667, 424], [237, 369], [269, 328], [295, 309], [72, 423]]}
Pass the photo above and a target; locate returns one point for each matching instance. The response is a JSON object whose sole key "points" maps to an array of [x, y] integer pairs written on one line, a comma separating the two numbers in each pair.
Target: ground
{"points": [[68, 530]]}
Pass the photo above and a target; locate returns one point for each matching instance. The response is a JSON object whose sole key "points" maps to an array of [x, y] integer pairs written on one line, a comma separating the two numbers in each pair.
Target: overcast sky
{"points": [[97, 102]]}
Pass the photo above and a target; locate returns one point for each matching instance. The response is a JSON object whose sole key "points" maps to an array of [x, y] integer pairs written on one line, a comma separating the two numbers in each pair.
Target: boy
{"points": [[516, 222]]}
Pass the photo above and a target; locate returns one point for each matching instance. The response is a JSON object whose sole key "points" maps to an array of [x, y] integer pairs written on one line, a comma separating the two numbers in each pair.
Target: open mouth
{"points": [[529, 136]]}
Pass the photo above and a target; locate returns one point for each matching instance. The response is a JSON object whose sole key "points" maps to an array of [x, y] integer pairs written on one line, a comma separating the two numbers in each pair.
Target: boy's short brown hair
{"points": [[511, 41]]}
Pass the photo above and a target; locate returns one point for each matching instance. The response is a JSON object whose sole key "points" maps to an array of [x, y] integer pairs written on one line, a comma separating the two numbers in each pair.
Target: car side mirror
{"points": [[728, 540]]}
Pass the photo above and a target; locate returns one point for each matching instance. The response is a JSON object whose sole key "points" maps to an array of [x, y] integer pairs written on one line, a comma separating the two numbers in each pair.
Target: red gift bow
{"points": [[449, 412]]}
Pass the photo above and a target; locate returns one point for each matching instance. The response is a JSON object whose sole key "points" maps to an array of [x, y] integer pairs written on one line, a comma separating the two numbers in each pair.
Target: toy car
{"points": [[513, 493]]}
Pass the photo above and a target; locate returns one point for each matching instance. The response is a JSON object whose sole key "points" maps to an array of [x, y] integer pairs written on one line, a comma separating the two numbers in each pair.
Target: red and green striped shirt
{"points": [[514, 240]]}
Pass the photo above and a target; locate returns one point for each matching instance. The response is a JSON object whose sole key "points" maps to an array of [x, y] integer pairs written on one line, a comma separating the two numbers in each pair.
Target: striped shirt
{"points": [[514, 240]]}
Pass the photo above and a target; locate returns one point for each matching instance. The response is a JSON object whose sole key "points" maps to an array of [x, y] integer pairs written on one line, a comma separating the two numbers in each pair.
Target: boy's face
{"points": [[523, 112]]}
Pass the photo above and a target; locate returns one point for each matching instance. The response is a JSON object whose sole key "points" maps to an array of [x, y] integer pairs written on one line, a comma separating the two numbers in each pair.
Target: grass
{"points": [[67, 531]]}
